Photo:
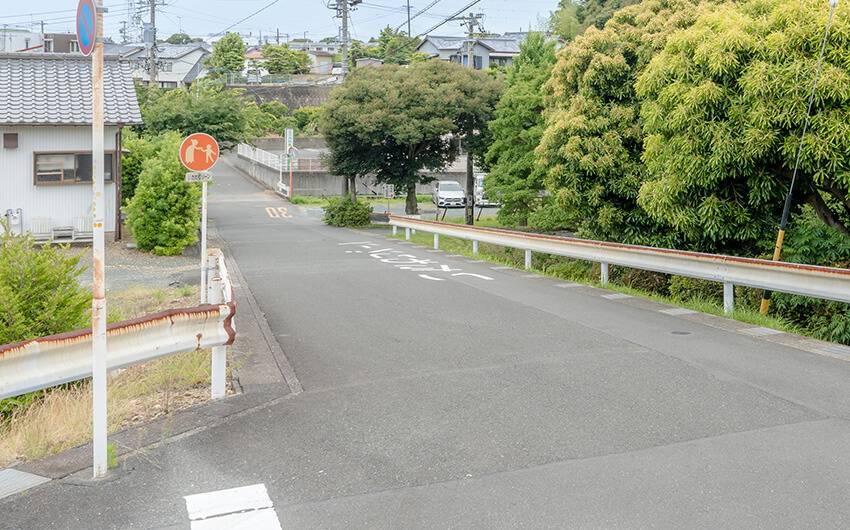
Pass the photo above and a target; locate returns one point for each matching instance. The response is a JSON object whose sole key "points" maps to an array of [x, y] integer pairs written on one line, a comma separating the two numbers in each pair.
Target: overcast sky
{"points": [[297, 18]]}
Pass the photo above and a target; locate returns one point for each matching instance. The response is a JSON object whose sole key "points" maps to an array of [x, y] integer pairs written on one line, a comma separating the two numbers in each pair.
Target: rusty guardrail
{"points": [[49, 361], [827, 283]]}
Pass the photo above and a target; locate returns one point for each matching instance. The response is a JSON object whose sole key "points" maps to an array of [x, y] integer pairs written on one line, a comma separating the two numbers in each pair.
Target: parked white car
{"points": [[448, 194]]}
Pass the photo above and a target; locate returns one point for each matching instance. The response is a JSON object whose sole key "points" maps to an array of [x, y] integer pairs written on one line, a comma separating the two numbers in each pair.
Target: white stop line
{"points": [[248, 508]]}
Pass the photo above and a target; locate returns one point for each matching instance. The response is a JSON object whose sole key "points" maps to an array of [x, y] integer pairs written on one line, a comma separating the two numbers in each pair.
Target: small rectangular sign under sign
{"points": [[199, 176]]}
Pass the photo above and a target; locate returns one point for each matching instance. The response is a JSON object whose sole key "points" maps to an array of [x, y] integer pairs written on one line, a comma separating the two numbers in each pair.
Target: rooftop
{"points": [[56, 89]]}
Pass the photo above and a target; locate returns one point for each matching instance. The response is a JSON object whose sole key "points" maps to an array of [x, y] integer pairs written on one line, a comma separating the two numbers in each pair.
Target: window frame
{"points": [[76, 154]]}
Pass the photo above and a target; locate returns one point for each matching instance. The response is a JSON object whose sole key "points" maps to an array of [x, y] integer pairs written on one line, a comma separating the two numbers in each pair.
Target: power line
{"points": [[246, 18]]}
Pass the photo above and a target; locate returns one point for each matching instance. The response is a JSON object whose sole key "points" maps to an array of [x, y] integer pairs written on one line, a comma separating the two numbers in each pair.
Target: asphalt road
{"points": [[416, 389]]}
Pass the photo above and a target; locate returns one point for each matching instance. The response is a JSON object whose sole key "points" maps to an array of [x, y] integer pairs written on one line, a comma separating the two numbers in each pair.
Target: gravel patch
{"points": [[128, 267]]}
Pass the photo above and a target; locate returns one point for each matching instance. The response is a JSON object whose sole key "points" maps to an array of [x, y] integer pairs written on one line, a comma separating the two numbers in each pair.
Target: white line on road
{"points": [[248, 507]]}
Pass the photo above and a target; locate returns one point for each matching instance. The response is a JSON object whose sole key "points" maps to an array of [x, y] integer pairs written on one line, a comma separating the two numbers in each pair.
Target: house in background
{"points": [[46, 135], [486, 51], [321, 62], [177, 65]]}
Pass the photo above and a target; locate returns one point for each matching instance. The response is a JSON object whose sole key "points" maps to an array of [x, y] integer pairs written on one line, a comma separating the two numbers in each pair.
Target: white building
{"points": [[177, 65], [485, 51], [46, 149]]}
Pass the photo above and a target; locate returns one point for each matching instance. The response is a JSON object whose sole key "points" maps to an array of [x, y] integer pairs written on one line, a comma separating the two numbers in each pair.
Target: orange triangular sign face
{"points": [[199, 152]]}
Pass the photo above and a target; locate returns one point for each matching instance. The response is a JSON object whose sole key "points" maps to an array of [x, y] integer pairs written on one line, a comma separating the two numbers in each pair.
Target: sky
{"points": [[296, 18]]}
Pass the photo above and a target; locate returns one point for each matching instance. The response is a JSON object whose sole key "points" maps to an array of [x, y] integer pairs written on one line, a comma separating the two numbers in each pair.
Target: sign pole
{"points": [[204, 245], [199, 152], [99, 350]]}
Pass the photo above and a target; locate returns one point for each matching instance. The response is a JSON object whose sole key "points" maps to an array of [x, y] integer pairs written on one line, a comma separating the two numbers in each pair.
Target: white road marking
{"points": [[501, 268], [246, 507], [475, 275], [431, 278], [355, 243], [565, 285]]}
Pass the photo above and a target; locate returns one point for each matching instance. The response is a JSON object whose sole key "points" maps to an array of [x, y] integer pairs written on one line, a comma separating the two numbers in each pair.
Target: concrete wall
{"points": [[294, 97], [322, 184]]}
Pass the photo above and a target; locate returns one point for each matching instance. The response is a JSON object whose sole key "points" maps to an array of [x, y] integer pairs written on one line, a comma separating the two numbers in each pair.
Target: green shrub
{"points": [[307, 117], [164, 215], [39, 289], [342, 212], [41, 296]]}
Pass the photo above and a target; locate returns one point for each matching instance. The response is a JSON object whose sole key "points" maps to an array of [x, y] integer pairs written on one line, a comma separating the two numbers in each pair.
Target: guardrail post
{"points": [[395, 230], [604, 276], [207, 290], [475, 247], [728, 297], [527, 259], [436, 241], [407, 234], [219, 353]]}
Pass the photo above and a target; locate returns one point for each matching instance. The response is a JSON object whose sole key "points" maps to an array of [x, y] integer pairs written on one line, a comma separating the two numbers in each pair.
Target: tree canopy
{"points": [[223, 114], [228, 55], [181, 38], [725, 106], [395, 121], [591, 149], [516, 130], [284, 60]]}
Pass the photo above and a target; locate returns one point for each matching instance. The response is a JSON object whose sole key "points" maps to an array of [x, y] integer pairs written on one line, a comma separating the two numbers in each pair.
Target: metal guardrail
{"points": [[827, 283], [49, 361], [279, 162]]}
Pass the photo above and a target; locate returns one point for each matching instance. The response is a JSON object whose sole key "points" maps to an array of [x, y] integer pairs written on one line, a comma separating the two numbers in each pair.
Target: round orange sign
{"points": [[199, 152]]}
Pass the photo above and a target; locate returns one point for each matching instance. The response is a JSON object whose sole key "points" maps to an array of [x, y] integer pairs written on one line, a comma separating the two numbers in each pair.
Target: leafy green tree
{"points": [[395, 121], [39, 288], [516, 130], [591, 149], [163, 214], [138, 149], [395, 47], [725, 106], [228, 55], [223, 114], [181, 38], [307, 117], [283, 60]]}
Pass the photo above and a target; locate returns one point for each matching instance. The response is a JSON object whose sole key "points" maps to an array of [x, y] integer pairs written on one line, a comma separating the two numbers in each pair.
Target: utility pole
{"points": [[408, 19], [471, 22], [342, 12], [152, 49], [344, 38]]}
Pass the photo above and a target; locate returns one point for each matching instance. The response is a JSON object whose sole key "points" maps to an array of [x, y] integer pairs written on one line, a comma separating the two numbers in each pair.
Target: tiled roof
{"points": [[56, 89], [497, 44]]}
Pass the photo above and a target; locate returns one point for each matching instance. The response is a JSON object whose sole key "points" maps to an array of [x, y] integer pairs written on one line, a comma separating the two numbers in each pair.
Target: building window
{"points": [[48, 45], [69, 168], [168, 84], [75, 46], [10, 140]]}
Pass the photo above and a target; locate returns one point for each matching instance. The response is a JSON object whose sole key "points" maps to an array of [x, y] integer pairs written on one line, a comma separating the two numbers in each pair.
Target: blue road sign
{"points": [[86, 26]]}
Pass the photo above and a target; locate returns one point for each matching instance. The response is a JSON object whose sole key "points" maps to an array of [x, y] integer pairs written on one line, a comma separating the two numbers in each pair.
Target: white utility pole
{"points": [[98, 318]]}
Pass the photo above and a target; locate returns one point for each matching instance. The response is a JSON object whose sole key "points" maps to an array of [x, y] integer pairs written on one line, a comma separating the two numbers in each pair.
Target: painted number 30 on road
{"points": [[278, 212]]}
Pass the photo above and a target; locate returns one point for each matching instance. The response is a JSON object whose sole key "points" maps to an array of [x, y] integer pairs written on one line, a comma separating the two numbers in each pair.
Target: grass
{"points": [[60, 418], [580, 272]]}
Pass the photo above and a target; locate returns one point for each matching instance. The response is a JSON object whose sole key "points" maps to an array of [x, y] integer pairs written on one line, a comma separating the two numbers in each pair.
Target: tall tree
{"points": [[223, 114], [228, 55], [396, 122], [516, 130], [593, 141], [283, 60], [396, 47], [726, 103]]}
